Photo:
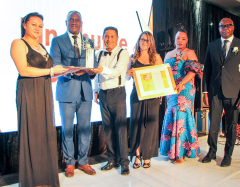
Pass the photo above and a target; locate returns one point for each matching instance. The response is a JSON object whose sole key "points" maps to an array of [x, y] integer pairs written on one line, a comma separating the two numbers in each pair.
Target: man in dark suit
{"points": [[74, 93], [221, 86]]}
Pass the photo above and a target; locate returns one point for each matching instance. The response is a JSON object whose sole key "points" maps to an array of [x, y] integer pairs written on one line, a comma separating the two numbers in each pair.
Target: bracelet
{"points": [[51, 72]]}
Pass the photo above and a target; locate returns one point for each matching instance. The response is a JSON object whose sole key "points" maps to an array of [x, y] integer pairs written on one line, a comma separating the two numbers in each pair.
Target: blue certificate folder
{"points": [[202, 120]]}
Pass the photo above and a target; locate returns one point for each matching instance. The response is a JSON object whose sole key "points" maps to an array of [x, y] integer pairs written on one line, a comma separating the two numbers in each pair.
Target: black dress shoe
{"points": [[208, 158], [226, 161], [109, 166], [125, 170]]}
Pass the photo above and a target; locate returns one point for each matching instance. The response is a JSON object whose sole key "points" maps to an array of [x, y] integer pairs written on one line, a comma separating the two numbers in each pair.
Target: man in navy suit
{"points": [[221, 88], [74, 93]]}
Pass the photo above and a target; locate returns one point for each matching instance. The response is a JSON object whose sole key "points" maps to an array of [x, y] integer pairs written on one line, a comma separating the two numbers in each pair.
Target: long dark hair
{"points": [[26, 18]]}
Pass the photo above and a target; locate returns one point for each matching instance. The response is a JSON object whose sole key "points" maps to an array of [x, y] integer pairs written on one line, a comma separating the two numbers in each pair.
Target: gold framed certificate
{"points": [[154, 81]]}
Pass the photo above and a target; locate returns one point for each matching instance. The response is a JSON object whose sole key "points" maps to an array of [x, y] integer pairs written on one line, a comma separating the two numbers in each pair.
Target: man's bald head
{"points": [[226, 28], [226, 20]]}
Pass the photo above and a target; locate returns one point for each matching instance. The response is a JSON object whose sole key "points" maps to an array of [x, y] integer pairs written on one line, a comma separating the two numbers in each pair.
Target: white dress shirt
{"points": [[228, 44], [79, 40], [112, 69]]}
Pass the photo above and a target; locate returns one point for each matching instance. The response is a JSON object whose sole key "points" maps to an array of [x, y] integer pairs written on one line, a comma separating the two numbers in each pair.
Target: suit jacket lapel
{"points": [[67, 41], [219, 49], [82, 40], [233, 44], [70, 51]]}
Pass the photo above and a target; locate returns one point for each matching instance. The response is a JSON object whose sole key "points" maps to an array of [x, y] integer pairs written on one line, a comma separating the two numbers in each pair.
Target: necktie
{"points": [[224, 49], [76, 46], [105, 53]]}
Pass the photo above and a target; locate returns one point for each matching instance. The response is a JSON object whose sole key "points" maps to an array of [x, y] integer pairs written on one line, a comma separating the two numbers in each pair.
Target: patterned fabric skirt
{"points": [[179, 134]]}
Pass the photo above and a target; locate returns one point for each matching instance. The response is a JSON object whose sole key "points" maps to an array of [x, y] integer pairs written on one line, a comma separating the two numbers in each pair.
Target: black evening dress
{"points": [[144, 123], [38, 161]]}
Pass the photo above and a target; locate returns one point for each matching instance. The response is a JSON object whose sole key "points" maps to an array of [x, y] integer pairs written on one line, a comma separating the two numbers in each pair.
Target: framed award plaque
{"points": [[154, 81]]}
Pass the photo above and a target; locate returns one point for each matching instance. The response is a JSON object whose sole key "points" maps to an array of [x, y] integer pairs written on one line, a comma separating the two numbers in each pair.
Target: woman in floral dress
{"points": [[179, 133]]}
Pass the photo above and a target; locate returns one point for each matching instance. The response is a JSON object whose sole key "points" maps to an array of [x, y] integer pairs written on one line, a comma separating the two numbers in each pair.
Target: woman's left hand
{"points": [[179, 88], [130, 72], [160, 100]]}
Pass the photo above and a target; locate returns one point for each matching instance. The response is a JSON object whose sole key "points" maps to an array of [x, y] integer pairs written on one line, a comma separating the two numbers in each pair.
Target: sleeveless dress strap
{"points": [[47, 54], [26, 44], [43, 47]]}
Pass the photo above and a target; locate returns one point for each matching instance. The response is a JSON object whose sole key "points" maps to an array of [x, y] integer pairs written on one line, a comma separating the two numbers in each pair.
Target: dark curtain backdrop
{"points": [[9, 147], [9, 151], [198, 18]]}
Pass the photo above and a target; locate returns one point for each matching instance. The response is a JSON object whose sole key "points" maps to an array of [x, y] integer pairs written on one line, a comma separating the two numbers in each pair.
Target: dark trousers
{"points": [[113, 110], [217, 103]]}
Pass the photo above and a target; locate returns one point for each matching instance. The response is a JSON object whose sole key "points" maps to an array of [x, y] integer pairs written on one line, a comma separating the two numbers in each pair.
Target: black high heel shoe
{"points": [[147, 165], [137, 165]]}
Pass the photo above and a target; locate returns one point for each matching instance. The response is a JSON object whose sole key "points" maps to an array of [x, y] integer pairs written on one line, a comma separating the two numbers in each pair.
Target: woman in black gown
{"points": [[144, 125], [38, 164]]}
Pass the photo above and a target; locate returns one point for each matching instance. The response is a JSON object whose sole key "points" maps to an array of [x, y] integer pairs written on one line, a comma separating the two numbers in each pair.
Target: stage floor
{"points": [[164, 173]]}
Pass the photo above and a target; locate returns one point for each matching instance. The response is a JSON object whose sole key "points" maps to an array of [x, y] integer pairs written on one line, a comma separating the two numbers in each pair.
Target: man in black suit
{"points": [[221, 88]]}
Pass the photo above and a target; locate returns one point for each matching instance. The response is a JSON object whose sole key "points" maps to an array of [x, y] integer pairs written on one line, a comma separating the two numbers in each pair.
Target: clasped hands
{"points": [[77, 70], [83, 71], [90, 71], [97, 70], [80, 71]]}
